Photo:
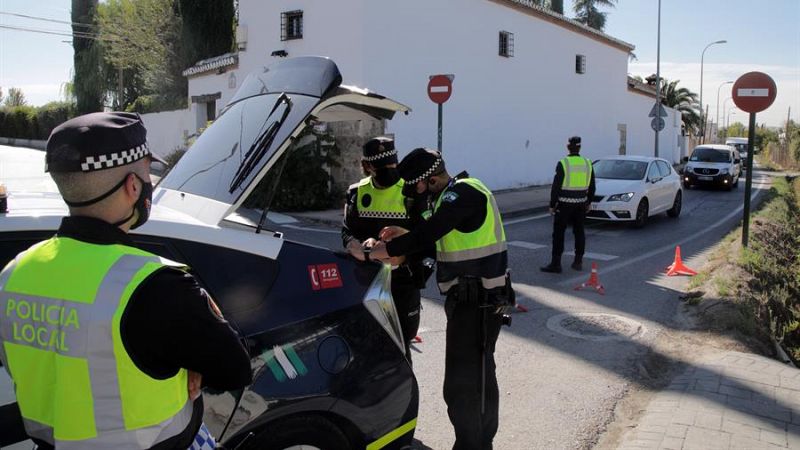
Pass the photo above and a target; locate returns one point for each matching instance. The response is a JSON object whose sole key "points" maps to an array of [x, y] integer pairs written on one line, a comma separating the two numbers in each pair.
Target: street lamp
{"points": [[723, 84], [730, 113], [702, 108]]}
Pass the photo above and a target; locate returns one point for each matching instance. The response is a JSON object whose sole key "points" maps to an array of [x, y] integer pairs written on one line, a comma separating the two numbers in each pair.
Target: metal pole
{"points": [[440, 127], [751, 134], [723, 113], [702, 57], [658, 75]]}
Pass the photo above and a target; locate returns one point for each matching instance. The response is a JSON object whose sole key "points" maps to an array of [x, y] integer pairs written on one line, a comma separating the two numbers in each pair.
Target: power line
{"points": [[79, 34], [6, 13]]}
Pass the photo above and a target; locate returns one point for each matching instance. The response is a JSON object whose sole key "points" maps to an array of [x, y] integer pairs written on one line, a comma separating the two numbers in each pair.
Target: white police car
{"points": [[321, 328]]}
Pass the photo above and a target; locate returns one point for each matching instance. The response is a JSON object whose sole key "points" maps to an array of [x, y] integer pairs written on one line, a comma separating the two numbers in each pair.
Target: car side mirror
{"points": [[685, 159]]}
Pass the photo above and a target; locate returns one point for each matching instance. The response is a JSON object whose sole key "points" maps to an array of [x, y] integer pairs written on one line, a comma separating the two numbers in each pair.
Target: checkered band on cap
{"points": [[116, 159], [385, 154], [381, 215], [427, 173]]}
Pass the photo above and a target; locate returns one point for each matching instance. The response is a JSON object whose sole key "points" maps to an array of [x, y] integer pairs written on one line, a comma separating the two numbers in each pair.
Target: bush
{"points": [[28, 122], [304, 184]]}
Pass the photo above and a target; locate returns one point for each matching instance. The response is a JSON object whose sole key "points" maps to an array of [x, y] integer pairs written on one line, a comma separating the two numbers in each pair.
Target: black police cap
{"points": [[97, 141], [575, 140], [380, 151], [420, 164]]}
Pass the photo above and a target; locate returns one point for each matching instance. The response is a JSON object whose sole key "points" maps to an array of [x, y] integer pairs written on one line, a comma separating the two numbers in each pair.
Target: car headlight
{"points": [[723, 171], [688, 168], [378, 301], [626, 197]]}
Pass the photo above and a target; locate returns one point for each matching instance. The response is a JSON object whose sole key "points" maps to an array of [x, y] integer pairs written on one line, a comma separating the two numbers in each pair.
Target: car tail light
{"points": [[378, 301]]}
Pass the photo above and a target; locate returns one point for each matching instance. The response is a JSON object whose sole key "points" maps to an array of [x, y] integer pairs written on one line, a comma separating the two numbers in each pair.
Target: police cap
{"points": [[380, 151], [97, 141], [420, 164], [574, 143]]}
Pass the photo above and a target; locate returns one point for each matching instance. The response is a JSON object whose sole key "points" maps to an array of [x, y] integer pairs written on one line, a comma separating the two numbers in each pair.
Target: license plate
{"points": [[705, 178]]}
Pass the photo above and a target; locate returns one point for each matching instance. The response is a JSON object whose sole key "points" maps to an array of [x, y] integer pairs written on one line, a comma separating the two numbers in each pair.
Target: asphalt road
{"points": [[564, 364]]}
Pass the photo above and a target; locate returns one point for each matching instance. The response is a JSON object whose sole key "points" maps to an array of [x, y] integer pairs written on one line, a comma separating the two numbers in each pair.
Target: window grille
{"points": [[580, 63], [506, 44], [291, 25]]}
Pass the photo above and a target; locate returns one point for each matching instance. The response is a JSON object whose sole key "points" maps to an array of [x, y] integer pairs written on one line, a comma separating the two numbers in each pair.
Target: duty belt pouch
{"points": [[469, 291], [504, 297]]}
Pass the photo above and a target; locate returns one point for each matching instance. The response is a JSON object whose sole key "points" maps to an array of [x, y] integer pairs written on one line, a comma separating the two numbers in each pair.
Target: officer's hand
{"points": [[195, 381], [354, 248], [552, 211], [379, 252], [397, 260], [588, 207], [369, 243], [391, 232]]}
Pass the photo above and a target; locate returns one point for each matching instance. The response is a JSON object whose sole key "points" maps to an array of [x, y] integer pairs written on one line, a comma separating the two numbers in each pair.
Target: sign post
{"points": [[439, 89], [657, 113], [753, 92]]}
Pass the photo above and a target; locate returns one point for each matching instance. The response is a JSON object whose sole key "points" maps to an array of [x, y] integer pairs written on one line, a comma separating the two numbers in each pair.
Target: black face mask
{"points": [[386, 176], [142, 205]]}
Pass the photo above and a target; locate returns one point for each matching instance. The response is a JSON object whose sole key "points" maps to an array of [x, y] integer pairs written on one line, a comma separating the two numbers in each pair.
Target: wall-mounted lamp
{"points": [[280, 53]]}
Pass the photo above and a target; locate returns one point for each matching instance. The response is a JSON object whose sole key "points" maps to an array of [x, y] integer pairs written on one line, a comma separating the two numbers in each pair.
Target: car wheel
{"points": [[641, 214], [675, 211], [301, 433]]}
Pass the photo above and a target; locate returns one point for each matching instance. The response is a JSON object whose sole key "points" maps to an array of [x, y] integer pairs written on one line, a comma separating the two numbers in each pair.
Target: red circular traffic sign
{"points": [[754, 91], [439, 88]]}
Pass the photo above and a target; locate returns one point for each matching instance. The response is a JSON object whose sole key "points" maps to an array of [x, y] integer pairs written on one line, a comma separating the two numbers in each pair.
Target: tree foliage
{"points": [[87, 60], [208, 29], [586, 12], [15, 98], [683, 100]]}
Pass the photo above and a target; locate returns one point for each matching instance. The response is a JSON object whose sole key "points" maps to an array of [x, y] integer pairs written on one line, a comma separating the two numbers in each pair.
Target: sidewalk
{"points": [[512, 203], [730, 401]]}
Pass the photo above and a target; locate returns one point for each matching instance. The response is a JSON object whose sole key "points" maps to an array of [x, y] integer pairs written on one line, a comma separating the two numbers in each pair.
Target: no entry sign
{"points": [[754, 91], [440, 87]]}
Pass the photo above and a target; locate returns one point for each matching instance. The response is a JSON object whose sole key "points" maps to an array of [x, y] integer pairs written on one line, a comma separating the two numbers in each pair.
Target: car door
{"points": [[670, 183], [655, 188]]}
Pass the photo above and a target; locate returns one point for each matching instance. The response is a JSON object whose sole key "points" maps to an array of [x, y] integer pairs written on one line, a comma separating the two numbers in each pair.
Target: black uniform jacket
{"points": [[558, 180], [361, 229], [462, 209], [169, 324]]}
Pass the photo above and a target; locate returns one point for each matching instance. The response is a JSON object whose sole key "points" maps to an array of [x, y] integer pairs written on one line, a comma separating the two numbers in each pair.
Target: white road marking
{"points": [[525, 219], [669, 247], [590, 255], [528, 245]]}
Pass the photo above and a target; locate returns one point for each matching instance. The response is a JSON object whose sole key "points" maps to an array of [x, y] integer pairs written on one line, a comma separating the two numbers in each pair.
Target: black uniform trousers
{"points": [[407, 301], [466, 341], [568, 214]]}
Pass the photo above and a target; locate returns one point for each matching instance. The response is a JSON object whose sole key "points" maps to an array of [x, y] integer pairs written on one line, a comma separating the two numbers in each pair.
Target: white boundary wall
{"points": [[168, 130]]}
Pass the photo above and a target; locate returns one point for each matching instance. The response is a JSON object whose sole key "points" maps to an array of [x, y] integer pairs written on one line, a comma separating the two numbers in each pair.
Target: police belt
{"points": [[470, 290], [573, 199]]}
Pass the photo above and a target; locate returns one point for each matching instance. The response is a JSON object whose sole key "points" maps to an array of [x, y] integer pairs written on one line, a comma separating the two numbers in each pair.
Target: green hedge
{"points": [[156, 103], [28, 122]]}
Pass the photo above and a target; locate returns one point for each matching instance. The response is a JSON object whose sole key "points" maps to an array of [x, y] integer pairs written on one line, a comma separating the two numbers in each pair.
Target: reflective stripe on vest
{"points": [[387, 203], [480, 253], [61, 303], [577, 173]]}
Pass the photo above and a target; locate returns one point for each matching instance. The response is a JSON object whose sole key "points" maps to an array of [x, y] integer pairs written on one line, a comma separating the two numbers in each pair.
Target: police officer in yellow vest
{"points": [[378, 201], [570, 198], [471, 260], [108, 344]]}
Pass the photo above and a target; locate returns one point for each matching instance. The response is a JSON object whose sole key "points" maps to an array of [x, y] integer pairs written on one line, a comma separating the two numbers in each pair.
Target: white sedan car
{"points": [[633, 188]]}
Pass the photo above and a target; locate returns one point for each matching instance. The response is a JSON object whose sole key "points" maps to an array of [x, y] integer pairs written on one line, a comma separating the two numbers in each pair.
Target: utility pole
{"points": [[658, 73]]}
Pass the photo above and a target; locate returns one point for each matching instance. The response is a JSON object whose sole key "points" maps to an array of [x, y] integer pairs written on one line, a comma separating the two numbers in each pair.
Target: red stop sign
{"points": [[754, 91], [439, 88]]}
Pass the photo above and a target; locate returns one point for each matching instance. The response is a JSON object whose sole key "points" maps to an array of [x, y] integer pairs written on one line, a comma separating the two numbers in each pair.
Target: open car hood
{"points": [[266, 114]]}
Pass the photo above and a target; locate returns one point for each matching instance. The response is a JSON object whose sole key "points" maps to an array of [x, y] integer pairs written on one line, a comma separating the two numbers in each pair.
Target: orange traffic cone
{"points": [[594, 282], [677, 267], [417, 339]]}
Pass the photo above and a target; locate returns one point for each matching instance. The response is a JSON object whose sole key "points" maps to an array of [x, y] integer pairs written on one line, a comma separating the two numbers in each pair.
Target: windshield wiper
{"points": [[262, 143]]}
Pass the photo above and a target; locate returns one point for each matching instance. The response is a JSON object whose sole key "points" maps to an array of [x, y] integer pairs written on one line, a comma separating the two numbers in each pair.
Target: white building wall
{"points": [[641, 137], [166, 131]]}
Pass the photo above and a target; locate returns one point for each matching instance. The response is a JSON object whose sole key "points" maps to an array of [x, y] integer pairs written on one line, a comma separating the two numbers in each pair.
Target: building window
{"points": [[580, 63], [291, 25], [506, 44]]}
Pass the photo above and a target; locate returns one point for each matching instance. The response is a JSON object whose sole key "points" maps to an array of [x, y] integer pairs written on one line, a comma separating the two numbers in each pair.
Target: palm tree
{"points": [[683, 100], [586, 12]]}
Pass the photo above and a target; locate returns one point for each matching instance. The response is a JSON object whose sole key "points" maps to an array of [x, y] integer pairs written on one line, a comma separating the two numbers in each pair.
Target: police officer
{"points": [[471, 270], [570, 198], [373, 203], [107, 343]]}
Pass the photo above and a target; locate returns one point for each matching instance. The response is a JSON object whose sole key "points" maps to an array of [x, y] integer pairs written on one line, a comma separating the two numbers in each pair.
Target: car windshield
{"points": [[741, 147], [710, 155], [619, 169]]}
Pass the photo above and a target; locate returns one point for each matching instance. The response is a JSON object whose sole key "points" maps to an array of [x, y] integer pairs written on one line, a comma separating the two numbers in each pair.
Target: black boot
{"points": [[553, 267], [577, 264]]}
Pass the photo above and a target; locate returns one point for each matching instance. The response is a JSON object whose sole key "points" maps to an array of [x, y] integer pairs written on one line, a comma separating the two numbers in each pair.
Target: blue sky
{"points": [[762, 35]]}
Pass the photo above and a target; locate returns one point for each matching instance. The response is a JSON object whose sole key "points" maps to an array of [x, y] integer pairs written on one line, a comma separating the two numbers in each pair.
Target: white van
{"points": [[714, 164], [739, 143]]}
